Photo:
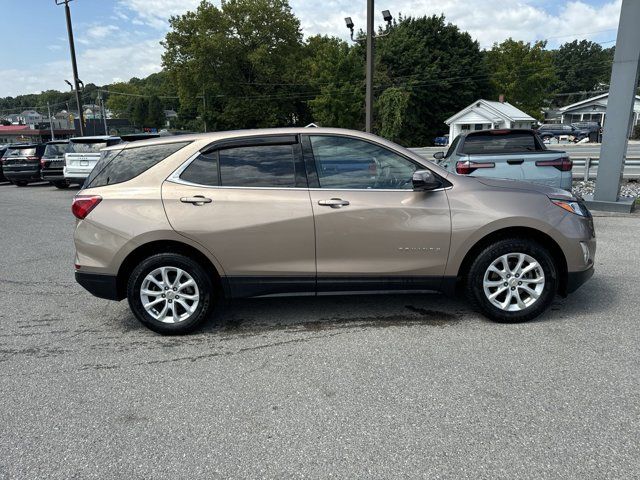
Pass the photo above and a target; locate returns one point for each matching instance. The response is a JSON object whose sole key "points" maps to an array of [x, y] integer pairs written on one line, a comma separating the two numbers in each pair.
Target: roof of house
{"points": [[586, 101], [504, 110]]}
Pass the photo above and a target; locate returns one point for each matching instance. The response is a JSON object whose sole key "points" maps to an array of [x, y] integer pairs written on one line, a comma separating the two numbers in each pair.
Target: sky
{"points": [[119, 39]]}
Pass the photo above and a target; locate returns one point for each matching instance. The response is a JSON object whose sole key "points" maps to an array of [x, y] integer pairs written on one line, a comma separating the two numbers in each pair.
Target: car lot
{"points": [[365, 386]]}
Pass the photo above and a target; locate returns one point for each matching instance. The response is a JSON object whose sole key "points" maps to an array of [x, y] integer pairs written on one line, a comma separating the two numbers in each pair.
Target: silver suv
{"points": [[175, 224]]}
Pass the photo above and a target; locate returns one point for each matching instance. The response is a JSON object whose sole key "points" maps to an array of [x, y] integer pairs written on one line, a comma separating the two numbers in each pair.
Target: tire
{"points": [[202, 291], [20, 183], [62, 185], [483, 282]]}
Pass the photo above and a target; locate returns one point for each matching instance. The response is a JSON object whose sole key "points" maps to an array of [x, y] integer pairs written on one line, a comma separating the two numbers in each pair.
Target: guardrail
{"points": [[584, 167], [587, 168]]}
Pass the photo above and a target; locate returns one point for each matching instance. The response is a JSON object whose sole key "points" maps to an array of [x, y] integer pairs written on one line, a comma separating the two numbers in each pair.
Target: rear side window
{"points": [[203, 170], [257, 166], [117, 166], [496, 144]]}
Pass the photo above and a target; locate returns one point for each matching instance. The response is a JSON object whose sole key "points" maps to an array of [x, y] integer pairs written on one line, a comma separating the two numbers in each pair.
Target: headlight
{"points": [[570, 206]]}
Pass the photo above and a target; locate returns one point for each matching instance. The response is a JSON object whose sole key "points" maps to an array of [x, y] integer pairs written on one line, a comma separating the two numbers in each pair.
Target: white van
{"points": [[83, 154]]}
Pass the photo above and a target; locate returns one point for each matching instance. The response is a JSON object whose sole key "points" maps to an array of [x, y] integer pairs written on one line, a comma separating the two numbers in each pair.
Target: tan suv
{"points": [[175, 224]]}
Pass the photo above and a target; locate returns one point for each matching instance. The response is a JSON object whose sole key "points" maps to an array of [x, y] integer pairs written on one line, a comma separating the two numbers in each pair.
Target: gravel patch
{"points": [[628, 189]]}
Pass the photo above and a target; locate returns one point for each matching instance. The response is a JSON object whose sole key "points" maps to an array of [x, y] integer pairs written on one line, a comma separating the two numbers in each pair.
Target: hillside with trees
{"points": [[246, 64]]}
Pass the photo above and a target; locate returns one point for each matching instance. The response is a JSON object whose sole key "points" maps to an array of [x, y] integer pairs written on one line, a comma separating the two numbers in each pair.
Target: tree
{"points": [[581, 66], [244, 58], [439, 68], [524, 73], [121, 98], [335, 75], [155, 114], [140, 112]]}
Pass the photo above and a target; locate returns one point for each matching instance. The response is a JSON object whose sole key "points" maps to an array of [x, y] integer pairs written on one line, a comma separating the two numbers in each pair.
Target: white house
{"points": [[592, 109], [485, 115]]}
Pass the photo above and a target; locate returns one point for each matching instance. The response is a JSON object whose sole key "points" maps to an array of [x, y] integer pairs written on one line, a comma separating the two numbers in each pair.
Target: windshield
{"points": [[20, 152], [85, 147], [55, 150]]}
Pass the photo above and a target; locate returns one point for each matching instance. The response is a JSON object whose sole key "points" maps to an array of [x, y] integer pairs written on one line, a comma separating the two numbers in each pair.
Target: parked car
{"points": [[593, 130], [135, 137], [21, 163], [176, 223], [553, 130], [441, 141], [2, 177], [83, 154], [516, 154], [52, 163]]}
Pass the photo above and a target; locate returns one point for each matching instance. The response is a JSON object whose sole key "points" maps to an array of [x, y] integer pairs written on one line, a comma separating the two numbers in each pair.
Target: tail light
{"points": [[466, 167], [83, 204], [564, 164], [43, 162]]}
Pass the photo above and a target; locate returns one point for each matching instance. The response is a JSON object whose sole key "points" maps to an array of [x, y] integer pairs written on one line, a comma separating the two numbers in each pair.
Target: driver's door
{"points": [[373, 231]]}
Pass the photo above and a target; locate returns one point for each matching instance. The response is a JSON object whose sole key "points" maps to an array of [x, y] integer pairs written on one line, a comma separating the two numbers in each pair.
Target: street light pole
{"points": [[368, 102], [53, 137], [74, 65]]}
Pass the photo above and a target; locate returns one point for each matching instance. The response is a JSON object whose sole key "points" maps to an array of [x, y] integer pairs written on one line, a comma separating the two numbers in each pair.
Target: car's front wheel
{"points": [[513, 280], [171, 294]]}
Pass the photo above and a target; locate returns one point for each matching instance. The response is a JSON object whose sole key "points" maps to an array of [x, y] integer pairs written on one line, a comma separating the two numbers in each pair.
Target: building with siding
{"points": [[487, 115]]}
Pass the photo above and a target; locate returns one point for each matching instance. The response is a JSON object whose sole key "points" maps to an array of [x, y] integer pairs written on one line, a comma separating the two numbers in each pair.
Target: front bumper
{"points": [[101, 286], [576, 279]]}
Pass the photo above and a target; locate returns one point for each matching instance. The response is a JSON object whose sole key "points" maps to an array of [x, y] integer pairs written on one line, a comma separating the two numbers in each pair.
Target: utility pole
{"points": [[368, 102], [103, 112], [204, 109], [74, 65], [622, 91], [53, 137]]}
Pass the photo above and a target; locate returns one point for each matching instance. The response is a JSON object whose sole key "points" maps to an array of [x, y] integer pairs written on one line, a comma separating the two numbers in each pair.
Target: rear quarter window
{"points": [[117, 166]]}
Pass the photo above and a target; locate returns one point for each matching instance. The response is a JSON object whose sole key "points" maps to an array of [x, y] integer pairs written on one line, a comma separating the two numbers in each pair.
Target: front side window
{"points": [[452, 147], [343, 162], [117, 166], [257, 166]]}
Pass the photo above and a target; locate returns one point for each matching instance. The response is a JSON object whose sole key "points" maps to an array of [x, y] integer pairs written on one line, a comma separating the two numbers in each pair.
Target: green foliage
{"points": [[636, 132], [581, 66], [140, 112], [524, 72], [441, 69], [155, 114], [392, 110], [335, 73], [243, 57]]}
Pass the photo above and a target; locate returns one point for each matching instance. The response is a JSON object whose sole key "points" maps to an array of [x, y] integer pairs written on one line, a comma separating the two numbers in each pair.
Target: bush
{"points": [[636, 133]]}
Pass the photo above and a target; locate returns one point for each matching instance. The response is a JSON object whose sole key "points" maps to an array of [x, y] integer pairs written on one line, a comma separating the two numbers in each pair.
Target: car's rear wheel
{"points": [[171, 294], [20, 183], [513, 280], [62, 185]]}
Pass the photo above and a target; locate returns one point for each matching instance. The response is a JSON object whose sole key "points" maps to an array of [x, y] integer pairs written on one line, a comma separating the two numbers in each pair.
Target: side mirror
{"points": [[425, 180], [438, 155]]}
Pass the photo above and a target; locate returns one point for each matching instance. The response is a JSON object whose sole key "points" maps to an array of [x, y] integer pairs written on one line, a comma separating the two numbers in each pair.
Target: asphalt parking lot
{"points": [[351, 387]]}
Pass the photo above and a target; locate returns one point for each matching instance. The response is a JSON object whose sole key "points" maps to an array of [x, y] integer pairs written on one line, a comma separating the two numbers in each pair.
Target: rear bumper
{"points": [[52, 175], [26, 176], [101, 286], [576, 279]]}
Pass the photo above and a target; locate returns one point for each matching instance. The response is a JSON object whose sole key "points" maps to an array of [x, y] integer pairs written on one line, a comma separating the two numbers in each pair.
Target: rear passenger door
{"points": [[248, 203]]}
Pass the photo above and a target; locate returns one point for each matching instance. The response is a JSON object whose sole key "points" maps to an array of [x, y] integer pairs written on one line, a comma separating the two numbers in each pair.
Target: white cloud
{"points": [[100, 65], [488, 21], [156, 13]]}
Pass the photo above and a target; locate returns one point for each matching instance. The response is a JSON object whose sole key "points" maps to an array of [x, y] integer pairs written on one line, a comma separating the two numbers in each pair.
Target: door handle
{"points": [[196, 200], [333, 203]]}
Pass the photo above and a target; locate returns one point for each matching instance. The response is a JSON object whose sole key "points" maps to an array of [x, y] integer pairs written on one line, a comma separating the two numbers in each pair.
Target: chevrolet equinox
{"points": [[176, 224]]}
